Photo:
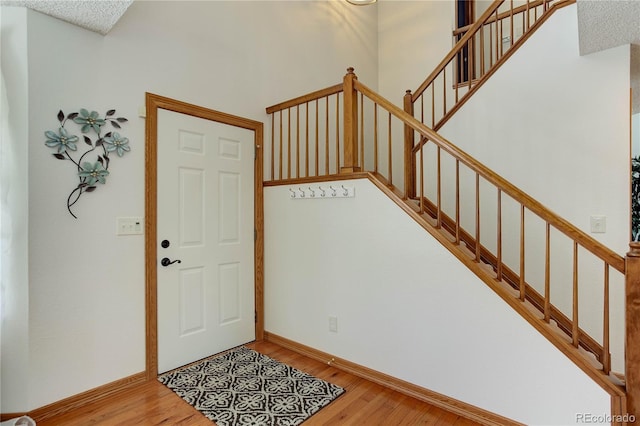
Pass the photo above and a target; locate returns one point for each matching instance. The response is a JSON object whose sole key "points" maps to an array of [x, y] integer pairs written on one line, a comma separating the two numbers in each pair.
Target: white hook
{"points": [[293, 193], [322, 191], [333, 191], [302, 193], [313, 193], [345, 191]]}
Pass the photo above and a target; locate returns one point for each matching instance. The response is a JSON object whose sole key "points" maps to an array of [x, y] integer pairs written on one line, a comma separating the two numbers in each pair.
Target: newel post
{"points": [[409, 158], [632, 334], [350, 124]]}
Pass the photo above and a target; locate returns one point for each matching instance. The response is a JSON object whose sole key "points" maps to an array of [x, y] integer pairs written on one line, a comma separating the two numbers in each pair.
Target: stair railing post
{"points": [[409, 158], [350, 124], [632, 325]]}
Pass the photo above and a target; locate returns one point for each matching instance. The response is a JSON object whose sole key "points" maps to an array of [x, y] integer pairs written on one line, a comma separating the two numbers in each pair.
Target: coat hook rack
{"points": [[319, 192]]}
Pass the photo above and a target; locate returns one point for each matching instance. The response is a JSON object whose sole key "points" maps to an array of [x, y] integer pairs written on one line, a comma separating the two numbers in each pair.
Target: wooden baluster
{"points": [[281, 153], [575, 332], [289, 143], [350, 124], [273, 142], [444, 92], [499, 239], [528, 16], [481, 53], [361, 157], [632, 334], [470, 56], [457, 201], [477, 217], [337, 133], [409, 158], [327, 171], [317, 158], [501, 35], [606, 355], [375, 137], [297, 141], [457, 79], [497, 39], [523, 288], [438, 189], [547, 275], [433, 105], [511, 29], [422, 176], [306, 151], [490, 46], [390, 143]]}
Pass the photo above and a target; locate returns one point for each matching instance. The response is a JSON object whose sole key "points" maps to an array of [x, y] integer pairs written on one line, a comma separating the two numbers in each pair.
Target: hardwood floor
{"points": [[363, 403]]}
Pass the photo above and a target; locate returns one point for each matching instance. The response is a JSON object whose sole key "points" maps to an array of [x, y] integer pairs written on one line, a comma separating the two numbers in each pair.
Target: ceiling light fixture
{"points": [[361, 2]]}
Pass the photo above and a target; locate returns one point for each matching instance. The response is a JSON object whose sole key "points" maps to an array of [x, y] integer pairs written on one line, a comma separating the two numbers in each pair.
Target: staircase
{"points": [[349, 130]]}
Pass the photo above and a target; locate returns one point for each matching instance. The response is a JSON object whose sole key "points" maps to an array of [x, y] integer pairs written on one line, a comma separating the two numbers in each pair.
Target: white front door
{"points": [[205, 218]]}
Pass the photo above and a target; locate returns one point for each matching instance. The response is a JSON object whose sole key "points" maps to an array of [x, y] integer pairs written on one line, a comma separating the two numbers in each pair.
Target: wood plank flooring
{"points": [[363, 403]]}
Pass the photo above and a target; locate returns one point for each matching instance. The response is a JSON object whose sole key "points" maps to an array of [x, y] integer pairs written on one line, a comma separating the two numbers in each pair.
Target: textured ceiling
{"points": [[603, 24], [98, 16]]}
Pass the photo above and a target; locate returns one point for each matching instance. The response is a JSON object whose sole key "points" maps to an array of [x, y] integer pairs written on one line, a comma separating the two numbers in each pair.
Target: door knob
{"points": [[166, 261]]}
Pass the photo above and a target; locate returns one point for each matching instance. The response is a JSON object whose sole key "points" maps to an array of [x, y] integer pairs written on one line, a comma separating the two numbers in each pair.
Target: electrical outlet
{"points": [[333, 324], [129, 226]]}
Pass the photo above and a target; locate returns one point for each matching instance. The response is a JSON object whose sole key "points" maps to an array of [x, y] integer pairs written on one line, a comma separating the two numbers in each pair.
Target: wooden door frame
{"points": [[153, 103]]}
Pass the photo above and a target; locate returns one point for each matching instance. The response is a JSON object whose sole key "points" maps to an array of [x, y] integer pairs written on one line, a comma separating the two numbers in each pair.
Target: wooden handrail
{"points": [[457, 48], [607, 255], [318, 94]]}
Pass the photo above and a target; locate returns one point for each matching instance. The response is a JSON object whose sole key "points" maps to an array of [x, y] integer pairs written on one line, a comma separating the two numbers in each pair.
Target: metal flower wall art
{"points": [[90, 173]]}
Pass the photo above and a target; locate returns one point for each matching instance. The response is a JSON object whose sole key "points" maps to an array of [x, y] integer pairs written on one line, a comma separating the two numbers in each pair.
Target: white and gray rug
{"points": [[244, 387]]}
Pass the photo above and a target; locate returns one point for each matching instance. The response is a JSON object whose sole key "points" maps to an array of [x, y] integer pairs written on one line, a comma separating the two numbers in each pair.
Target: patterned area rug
{"points": [[244, 387]]}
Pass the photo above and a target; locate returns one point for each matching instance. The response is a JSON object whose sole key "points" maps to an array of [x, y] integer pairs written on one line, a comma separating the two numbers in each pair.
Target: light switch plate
{"points": [[129, 226]]}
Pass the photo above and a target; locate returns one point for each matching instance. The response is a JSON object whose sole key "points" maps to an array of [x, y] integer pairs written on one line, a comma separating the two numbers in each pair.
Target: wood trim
{"points": [[259, 232], [87, 397], [632, 329], [543, 328], [453, 405], [315, 179], [153, 103], [8, 416], [318, 94]]}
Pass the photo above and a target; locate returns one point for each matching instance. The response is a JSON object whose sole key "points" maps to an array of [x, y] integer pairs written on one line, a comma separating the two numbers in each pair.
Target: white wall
{"points": [[393, 289], [14, 290], [413, 37], [86, 298]]}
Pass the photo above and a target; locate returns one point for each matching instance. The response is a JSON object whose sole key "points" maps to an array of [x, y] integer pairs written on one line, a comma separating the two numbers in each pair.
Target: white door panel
{"points": [[206, 211]]}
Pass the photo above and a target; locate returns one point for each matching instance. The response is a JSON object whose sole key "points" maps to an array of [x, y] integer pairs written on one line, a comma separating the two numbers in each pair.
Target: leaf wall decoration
{"points": [[88, 173]]}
